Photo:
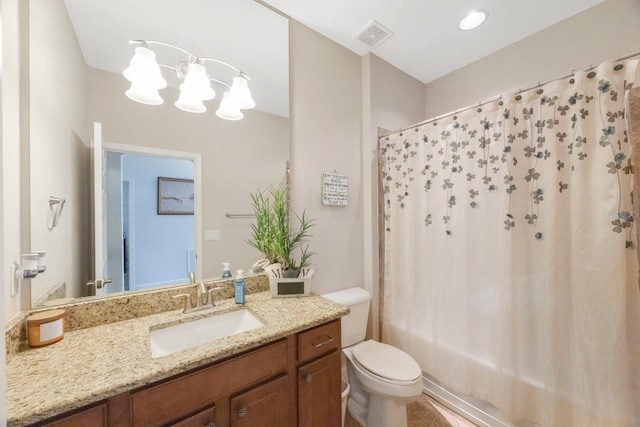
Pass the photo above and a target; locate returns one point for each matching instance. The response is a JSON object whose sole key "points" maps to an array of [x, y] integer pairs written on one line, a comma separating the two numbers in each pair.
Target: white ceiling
{"points": [[427, 43], [240, 32]]}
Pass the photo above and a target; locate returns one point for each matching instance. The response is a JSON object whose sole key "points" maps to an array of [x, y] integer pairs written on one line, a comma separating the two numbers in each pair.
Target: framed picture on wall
{"points": [[175, 196]]}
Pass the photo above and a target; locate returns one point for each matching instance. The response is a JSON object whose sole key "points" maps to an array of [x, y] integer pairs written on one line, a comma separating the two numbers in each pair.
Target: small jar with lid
{"points": [[45, 327]]}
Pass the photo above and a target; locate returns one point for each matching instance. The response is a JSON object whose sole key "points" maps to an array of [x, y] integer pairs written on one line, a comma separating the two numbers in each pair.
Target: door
{"points": [[265, 406], [319, 392]]}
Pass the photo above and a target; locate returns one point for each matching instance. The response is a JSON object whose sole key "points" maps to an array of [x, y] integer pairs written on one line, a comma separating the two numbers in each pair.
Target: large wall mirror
{"points": [[77, 52]]}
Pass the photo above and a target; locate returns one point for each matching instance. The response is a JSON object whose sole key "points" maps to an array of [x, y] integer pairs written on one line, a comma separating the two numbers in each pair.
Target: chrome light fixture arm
{"points": [[191, 55], [147, 42]]}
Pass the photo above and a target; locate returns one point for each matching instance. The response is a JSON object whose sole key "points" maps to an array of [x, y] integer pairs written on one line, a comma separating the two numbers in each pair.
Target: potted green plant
{"points": [[274, 235]]}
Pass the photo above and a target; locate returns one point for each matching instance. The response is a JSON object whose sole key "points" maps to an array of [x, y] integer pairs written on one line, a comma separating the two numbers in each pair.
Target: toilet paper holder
{"points": [[30, 266]]}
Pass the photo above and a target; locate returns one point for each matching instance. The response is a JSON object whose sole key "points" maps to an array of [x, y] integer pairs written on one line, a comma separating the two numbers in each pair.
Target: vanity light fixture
{"points": [[146, 79], [473, 19]]}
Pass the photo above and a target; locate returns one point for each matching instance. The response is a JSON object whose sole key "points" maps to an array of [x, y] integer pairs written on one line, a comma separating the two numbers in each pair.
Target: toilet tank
{"points": [[354, 324]]}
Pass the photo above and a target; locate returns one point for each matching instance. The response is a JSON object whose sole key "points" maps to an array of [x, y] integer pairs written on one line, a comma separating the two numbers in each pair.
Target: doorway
{"points": [[145, 249]]}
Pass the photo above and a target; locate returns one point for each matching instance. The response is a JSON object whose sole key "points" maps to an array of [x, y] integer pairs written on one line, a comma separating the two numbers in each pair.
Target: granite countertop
{"points": [[92, 364]]}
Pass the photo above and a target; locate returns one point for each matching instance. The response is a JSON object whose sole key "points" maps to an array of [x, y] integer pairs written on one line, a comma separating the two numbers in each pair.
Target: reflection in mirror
{"points": [[149, 218], [78, 50]]}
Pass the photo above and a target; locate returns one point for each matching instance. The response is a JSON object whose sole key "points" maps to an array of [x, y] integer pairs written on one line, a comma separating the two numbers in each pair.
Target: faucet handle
{"points": [[202, 288], [187, 301], [210, 299]]}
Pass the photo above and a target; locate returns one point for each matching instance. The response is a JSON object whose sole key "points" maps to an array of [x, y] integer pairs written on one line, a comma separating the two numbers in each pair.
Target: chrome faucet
{"points": [[204, 299]]}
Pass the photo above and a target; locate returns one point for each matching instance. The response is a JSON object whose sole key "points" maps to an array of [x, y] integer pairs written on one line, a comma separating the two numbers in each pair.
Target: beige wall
{"points": [[397, 99], [237, 157], [326, 110], [600, 33], [59, 153]]}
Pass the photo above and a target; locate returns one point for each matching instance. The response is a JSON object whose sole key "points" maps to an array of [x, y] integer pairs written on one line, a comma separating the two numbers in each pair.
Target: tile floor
{"points": [[419, 415], [454, 419]]}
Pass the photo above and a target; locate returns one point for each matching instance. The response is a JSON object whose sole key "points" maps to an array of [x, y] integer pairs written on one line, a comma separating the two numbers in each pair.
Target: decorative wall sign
{"points": [[335, 189], [175, 196]]}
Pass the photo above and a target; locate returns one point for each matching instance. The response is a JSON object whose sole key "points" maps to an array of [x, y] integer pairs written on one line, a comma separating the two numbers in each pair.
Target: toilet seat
{"points": [[386, 361]]}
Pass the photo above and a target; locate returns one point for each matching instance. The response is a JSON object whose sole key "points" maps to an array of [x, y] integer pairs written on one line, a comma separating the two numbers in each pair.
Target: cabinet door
{"points": [[319, 392], [93, 417], [263, 406]]}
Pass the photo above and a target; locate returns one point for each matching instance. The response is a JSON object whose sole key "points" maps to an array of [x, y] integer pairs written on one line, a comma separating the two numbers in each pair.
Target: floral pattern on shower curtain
{"points": [[511, 271]]}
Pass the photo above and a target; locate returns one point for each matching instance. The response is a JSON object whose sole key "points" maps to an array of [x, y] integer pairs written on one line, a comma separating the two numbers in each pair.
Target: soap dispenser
{"points": [[226, 270], [239, 287]]}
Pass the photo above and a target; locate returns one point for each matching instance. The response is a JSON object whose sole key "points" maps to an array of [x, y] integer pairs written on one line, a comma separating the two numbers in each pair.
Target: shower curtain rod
{"points": [[496, 97]]}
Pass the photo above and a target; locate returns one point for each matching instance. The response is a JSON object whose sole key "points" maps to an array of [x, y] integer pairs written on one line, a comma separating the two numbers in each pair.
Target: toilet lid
{"points": [[386, 361]]}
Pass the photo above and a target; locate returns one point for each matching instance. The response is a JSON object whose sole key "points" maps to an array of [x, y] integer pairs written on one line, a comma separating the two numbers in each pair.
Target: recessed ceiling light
{"points": [[473, 19]]}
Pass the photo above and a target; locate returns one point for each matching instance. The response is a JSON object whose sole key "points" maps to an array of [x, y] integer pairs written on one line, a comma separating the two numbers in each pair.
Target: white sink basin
{"points": [[190, 334]]}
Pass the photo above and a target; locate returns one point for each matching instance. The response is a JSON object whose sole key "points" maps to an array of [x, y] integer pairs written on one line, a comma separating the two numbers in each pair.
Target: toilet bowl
{"points": [[383, 379]]}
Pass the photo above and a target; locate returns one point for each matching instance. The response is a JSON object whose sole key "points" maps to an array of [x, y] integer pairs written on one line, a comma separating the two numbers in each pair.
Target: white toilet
{"points": [[383, 379]]}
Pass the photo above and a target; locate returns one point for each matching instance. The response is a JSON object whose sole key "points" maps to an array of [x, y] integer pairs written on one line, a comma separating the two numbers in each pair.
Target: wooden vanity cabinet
{"points": [[291, 382], [95, 416], [189, 393], [203, 418]]}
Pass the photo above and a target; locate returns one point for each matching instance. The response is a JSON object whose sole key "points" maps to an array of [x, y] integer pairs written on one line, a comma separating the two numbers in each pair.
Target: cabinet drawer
{"points": [[318, 341], [171, 400]]}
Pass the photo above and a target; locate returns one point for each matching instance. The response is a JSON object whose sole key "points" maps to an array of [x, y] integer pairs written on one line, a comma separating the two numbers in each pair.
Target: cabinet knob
{"points": [[308, 378], [210, 425], [241, 413]]}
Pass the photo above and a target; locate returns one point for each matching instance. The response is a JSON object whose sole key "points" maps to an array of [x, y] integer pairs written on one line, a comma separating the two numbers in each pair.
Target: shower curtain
{"points": [[510, 264]]}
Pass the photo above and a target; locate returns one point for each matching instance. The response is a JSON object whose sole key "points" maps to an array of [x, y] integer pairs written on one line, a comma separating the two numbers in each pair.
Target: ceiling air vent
{"points": [[374, 34]]}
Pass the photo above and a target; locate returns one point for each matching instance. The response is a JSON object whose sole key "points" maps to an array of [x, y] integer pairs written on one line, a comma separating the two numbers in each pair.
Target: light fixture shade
{"points": [[228, 109], [144, 68], [197, 83], [241, 94], [189, 102], [144, 92]]}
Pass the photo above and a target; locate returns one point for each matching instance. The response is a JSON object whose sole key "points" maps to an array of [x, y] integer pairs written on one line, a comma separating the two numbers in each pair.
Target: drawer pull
{"points": [[210, 425], [241, 413], [327, 341], [308, 378]]}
